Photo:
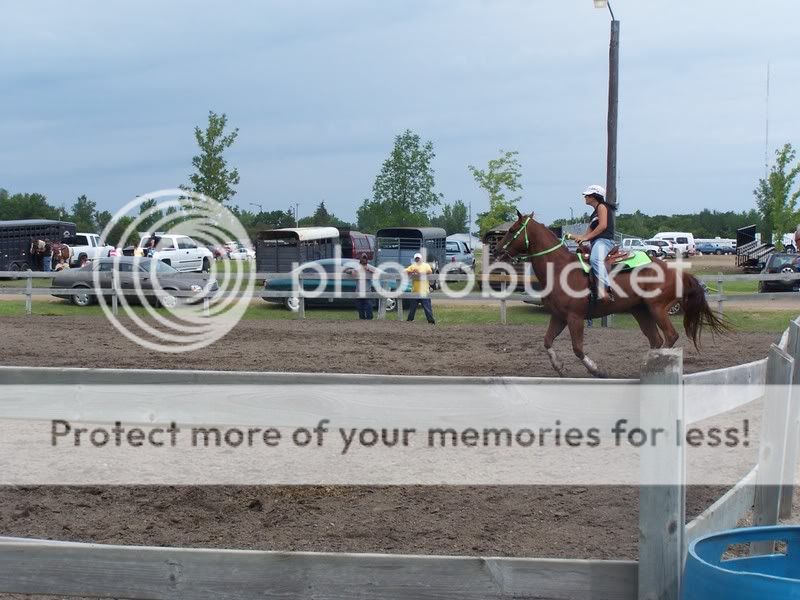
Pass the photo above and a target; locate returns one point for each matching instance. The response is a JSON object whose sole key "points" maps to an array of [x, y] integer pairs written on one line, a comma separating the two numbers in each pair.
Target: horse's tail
{"points": [[697, 313]]}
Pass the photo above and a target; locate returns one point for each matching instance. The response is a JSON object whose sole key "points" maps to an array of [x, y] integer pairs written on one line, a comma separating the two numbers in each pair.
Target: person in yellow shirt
{"points": [[422, 287]]}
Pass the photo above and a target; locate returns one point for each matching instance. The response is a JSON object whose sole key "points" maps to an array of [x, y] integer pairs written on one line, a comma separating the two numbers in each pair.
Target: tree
{"points": [[212, 176], [322, 218], [403, 192], [149, 222], [453, 218], [25, 206], [501, 176], [83, 214], [774, 197]]}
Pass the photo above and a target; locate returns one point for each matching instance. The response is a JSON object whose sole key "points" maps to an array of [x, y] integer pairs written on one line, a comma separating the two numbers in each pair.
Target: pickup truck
{"points": [[87, 245], [460, 253], [633, 244], [181, 252]]}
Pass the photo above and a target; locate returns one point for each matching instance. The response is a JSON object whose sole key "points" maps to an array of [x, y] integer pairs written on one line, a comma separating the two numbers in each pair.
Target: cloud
{"points": [[102, 97]]}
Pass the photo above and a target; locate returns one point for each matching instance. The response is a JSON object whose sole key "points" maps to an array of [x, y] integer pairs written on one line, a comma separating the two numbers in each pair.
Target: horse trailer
{"points": [[16, 238], [400, 244], [278, 249]]}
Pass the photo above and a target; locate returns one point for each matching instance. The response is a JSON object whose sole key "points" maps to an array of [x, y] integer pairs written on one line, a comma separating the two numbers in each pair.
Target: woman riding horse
{"points": [[601, 236], [647, 292]]}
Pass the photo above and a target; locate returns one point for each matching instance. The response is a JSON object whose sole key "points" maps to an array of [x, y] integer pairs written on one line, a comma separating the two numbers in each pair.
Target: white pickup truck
{"points": [[179, 251], [86, 245]]}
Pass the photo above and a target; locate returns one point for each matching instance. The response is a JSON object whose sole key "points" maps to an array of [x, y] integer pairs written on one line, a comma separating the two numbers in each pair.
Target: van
{"points": [[682, 242]]}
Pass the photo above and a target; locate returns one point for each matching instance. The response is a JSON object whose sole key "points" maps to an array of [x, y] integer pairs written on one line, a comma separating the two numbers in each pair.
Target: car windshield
{"points": [[453, 247]]}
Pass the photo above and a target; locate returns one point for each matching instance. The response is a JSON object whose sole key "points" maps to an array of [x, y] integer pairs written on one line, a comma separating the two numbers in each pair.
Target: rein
{"points": [[524, 228]]}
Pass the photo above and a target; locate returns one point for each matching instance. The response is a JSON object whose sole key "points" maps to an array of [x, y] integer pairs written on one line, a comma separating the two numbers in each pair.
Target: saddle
{"points": [[616, 257]]}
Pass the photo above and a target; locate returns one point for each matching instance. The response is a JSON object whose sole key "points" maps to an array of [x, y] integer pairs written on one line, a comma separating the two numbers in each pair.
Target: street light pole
{"points": [[613, 105], [296, 216]]}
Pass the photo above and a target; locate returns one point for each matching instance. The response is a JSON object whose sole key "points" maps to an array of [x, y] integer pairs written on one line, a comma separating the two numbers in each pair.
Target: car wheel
{"points": [[82, 297], [675, 309], [167, 300], [293, 304], [390, 304], [718, 252], [651, 254]]}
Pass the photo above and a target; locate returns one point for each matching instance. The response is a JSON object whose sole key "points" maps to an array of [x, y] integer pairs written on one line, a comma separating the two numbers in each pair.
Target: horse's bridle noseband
{"points": [[517, 257]]}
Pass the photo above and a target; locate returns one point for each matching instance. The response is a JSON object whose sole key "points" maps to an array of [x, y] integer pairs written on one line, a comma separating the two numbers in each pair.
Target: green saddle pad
{"points": [[637, 259]]}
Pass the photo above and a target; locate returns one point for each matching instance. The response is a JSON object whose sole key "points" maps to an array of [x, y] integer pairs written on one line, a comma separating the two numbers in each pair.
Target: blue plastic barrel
{"points": [[771, 576]]}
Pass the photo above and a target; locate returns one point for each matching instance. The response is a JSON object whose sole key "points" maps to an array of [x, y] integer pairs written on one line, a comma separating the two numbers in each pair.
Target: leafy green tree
{"points": [[774, 196], [151, 221], [501, 177], [212, 176], [83, 214], [403, 192], [322, 218], [453, 218], [25, 206], [102, 218]]}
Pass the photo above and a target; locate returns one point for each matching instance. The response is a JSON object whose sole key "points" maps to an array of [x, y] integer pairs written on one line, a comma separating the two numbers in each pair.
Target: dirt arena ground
{"points": [[569, 522]]}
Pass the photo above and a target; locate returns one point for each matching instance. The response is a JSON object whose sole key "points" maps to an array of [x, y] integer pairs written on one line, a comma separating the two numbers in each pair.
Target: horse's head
{"points": [[517, 241]]}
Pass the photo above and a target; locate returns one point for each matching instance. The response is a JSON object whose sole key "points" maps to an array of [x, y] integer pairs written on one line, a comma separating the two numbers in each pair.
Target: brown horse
{"points": [[647, 292]]}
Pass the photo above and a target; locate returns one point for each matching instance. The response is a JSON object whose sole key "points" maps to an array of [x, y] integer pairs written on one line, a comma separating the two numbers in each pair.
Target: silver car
{"points": [[460, 253]]}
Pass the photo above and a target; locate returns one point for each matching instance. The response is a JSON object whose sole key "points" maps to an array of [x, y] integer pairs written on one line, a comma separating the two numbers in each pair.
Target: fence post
{"points": [[301, 303], [114, 295], [400, 308], [29, 293], [503, 319], [720, 301], [381, 309], [206, 311], [793, 434], [662, 507], [772, 445]]}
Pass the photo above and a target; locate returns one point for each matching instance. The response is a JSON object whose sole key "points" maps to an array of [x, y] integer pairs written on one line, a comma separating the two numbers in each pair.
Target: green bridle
{"points": [[524, 228]]}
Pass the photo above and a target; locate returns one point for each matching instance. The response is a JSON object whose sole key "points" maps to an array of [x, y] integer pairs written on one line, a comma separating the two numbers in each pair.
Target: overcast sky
{"points": [[101, 98]]}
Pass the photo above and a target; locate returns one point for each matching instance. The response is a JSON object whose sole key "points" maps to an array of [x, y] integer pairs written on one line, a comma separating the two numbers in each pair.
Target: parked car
{"points": [[242, 253], [179, 251], [714, 248], [146, 270], [331, 266], [666, 248], [683, 241], [87, 246], [634, 244], [460, 253], [780, 263]]}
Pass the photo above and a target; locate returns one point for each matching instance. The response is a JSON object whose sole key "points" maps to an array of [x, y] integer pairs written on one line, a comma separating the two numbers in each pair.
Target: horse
{"points": [[647, 292]]}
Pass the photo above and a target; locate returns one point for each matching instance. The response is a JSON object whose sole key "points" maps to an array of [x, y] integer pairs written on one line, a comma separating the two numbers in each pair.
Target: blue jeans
{"points": [[426, 306], [364, 306], [600, 249], [47, 264]]}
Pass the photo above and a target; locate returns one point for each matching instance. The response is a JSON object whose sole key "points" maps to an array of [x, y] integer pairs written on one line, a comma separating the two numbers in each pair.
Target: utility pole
{"points": [[296, 215]]}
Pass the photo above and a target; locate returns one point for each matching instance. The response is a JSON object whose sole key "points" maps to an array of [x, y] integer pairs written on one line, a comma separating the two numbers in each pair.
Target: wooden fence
{"points": [[66, 568]]}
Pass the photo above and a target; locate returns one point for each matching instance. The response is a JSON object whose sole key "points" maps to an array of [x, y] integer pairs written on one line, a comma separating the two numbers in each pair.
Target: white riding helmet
{"points": [[595, 190]]}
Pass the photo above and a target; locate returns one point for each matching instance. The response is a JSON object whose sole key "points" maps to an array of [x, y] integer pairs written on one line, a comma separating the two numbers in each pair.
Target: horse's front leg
{"points": [[554, 329], [575, 324]]}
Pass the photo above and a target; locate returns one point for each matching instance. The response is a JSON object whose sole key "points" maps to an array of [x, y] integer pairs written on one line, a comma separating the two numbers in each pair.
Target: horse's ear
{"points": [[519, 215], [533, 213]]}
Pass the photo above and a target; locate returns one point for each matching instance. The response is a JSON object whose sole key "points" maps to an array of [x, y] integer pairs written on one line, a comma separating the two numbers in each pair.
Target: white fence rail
{"points": [[502, 296]]}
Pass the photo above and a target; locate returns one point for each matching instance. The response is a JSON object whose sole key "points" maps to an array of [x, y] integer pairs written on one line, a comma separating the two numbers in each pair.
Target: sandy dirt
{"points": [[569, 522]]}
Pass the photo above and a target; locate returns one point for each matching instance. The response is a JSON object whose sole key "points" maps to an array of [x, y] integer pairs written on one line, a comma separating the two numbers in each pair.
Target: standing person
{"points": [[420, 286], [47, 259], [797, 239], [601, 235], [364, 273]]}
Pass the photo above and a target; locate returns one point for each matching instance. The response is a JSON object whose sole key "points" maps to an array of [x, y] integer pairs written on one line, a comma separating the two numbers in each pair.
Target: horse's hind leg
{"points": [[648, 326], [660, 313], [554, 329], [575, 324]]}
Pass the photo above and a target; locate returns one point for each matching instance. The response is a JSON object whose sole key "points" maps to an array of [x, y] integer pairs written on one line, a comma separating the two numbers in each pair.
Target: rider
{"points": [[601, 236]]}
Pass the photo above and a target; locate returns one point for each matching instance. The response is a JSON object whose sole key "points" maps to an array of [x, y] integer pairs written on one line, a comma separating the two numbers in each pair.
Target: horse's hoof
{"points": [[600, 374]]}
